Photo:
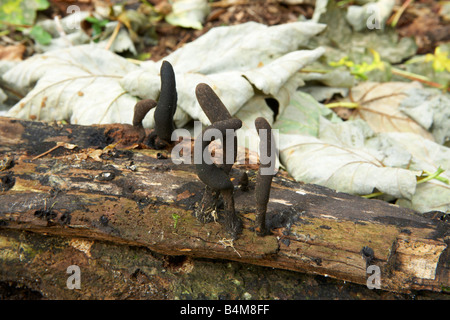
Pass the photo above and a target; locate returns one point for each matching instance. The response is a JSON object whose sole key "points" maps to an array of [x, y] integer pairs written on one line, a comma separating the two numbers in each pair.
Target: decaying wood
{"points": [[134, 196]]}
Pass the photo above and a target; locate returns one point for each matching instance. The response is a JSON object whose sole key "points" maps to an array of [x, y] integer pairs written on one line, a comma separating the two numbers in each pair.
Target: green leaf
{"points": [[40, 35], [97, 25], [175, 218], [21, 12], [376, 70]]}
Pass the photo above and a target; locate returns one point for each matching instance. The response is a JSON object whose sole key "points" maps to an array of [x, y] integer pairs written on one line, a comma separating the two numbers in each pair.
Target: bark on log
{"points": [[132, 196]]}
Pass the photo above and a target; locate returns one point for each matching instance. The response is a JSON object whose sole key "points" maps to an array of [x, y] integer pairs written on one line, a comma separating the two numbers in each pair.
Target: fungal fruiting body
{"points": [[216, 177], [243, 182], [164, 112], [367, 254], [140, 111], [215, 110], [211, 104], [265, 173], [166, 107]]}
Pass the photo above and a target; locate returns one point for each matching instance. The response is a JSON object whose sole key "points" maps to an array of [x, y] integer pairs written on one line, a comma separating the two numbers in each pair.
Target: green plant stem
{"points": [[314, 71], [434, 175], [175, 217], [417, 77], [372, 195], [410, 75], [428, 176], [350, 105]]}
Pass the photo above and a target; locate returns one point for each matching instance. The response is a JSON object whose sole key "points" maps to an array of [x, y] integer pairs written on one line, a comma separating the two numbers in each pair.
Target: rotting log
{"points": [[95, 184]]}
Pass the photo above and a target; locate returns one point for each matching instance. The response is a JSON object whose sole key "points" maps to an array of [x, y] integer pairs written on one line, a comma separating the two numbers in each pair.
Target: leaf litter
{"points": [[397, 132]]}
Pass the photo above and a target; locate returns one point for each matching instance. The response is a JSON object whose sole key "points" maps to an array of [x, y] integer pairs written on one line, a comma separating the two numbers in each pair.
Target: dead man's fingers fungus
{"points": [[265, 173]]}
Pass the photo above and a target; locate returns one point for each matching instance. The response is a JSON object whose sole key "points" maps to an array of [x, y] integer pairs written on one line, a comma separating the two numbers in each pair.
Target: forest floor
{"points": [[424, 20]]}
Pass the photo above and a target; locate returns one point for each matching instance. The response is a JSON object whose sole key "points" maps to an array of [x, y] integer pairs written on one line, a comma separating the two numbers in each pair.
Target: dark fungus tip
{"points": [[262, 123], [211, 104], [243, 181], [367, 253], [265, 173], [167, 103], [140, 111], [65, 218]]}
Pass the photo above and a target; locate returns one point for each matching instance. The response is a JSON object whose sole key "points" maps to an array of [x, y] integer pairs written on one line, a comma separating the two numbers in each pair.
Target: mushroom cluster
{"points": [[215, 176]]}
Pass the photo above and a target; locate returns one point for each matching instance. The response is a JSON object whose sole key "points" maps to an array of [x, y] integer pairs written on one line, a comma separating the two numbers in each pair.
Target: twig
{"points": [[58, 144], [60, 30], [228, 3], [114, 35], [398, 14], [229, 243], [417, 77]]}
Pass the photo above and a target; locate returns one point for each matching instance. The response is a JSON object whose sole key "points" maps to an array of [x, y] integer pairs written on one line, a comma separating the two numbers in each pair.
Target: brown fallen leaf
{"points": [[12, 53], [379, 106], [95, 154]]}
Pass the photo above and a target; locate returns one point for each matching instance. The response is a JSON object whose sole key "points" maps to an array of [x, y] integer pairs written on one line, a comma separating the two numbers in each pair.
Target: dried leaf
{"points": [[12, 53], [380, 107]]}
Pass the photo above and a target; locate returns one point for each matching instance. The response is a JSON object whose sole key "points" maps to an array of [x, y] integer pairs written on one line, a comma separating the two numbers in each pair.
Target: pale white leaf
{"points": [[339, 160], [302, 115], [188, 13], [233, 61], [370, 15], [429, 196], [87, 84], [80, 84], [272, 77], [431, 109], [242, 47], [248, 138], [425, 155]]}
